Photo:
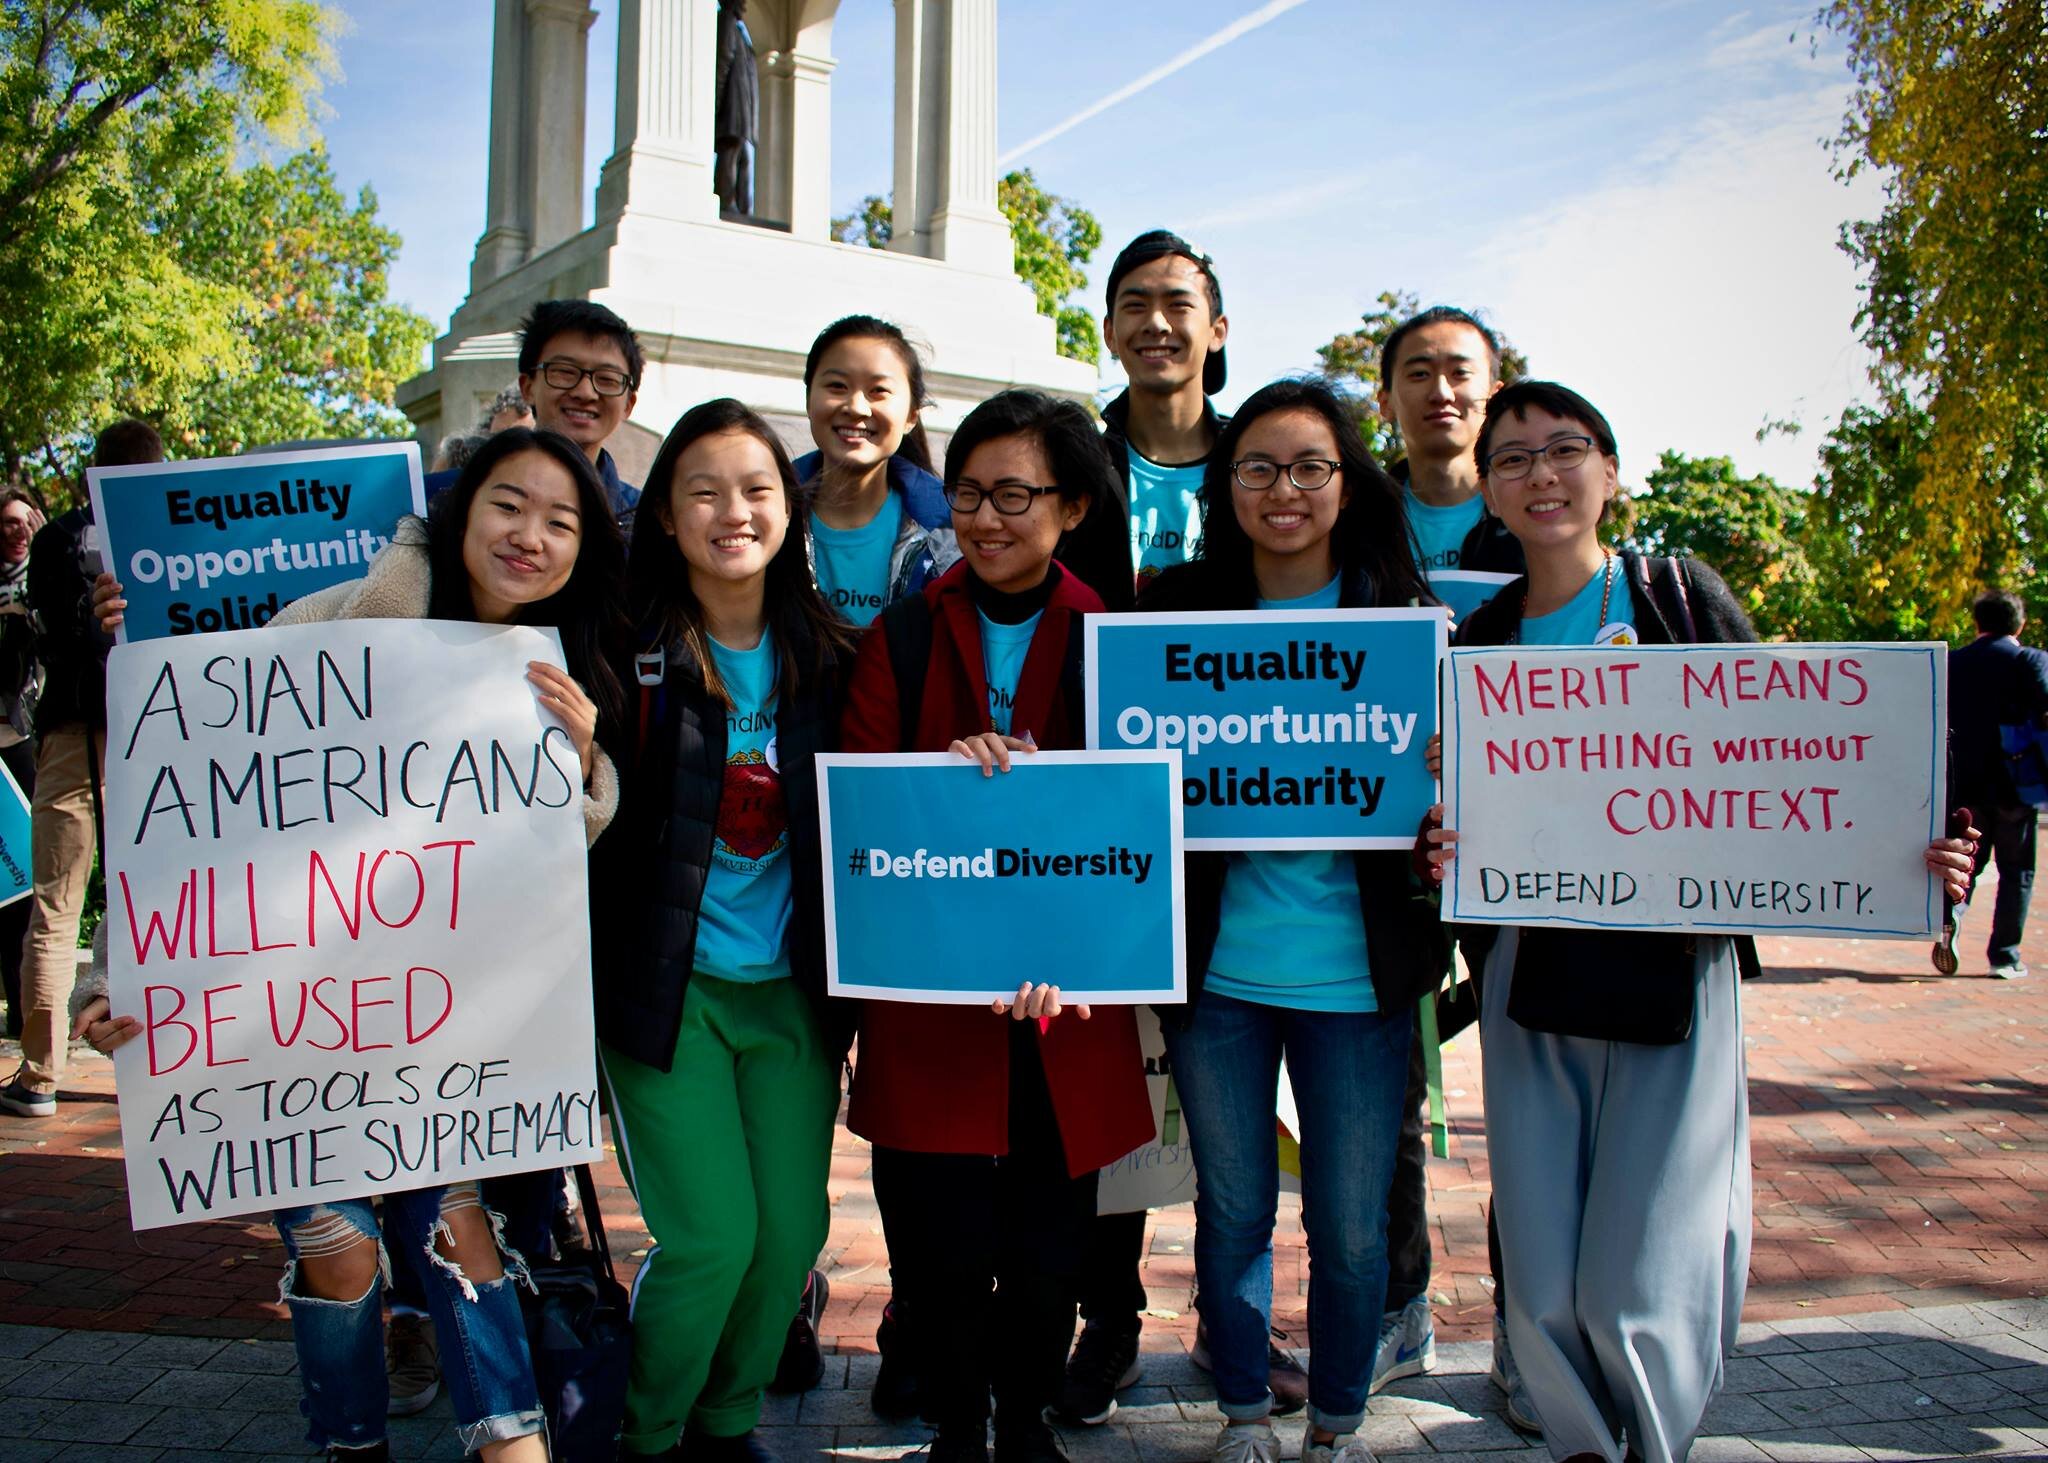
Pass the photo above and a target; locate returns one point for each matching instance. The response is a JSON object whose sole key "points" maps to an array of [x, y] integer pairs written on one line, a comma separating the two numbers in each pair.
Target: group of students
{"points": [[861, 599]]}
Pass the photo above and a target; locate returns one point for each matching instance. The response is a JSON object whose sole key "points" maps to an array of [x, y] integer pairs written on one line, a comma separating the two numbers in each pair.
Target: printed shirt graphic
{"points": [[1003, 648], [853, 563], [1577, 622], [1166, 514], [1292, 934], [1440, 532], [743, 924]]}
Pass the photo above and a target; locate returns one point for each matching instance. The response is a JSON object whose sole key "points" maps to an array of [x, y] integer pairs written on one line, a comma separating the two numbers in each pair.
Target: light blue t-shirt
{"points": [[1003, 648], [1577, 621], [1166, 514], [1440, 532], [1292, 934], [853, 563], [743, 923]]}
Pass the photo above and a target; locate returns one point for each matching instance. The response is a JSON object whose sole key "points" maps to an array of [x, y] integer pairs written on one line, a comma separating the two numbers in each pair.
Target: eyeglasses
{"points": [[1256, 475], [567, 375], [1511, 464], [1009, 499]]}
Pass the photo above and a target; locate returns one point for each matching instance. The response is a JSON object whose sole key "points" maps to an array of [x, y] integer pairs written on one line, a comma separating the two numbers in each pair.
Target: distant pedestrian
{"points": [[1995, 682], [20, 683]]}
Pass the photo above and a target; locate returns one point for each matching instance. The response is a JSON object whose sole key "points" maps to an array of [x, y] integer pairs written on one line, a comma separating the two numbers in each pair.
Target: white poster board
{"points": [[1781, 789], [347, 899]]}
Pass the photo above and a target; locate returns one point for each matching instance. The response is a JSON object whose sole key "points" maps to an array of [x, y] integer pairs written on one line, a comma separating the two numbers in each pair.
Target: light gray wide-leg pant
{"points": [[1621, 1183]]}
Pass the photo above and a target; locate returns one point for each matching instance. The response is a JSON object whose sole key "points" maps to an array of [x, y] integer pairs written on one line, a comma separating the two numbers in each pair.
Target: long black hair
{"points": [[665, 607], [589, 610], [1372, 529], [916, 446], [1097, 550]]}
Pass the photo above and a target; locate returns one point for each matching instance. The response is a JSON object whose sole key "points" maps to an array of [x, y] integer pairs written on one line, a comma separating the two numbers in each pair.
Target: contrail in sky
{"points": [[1271, 10]]}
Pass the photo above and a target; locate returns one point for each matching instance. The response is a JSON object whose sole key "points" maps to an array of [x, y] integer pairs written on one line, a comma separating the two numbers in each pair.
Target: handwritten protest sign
{"points": [[1300, 729], [1068, 863], [346, 898], [1465, 590], [1787, 789], [226, 543], [17, 879]]}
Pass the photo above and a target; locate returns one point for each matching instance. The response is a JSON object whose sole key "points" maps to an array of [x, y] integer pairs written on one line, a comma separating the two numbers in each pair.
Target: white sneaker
{"points": [[1246, 1442], [1521, 1409], [2011, 970], [1345, 1449], [1407, 1344]]}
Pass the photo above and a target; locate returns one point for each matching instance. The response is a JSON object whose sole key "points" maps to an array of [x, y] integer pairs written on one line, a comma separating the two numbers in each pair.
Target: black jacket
{"points": [[68, 642], [1991, 683], [1116, 433], [1488, 547], [1405, 941], [647, 873]]}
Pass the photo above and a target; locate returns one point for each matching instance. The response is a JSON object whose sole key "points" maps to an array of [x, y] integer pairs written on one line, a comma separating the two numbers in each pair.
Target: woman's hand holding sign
{"points": [[107, 603], [561, 696], [1951, 860], [1036, 1003], [102, 1030], [992, 750]]}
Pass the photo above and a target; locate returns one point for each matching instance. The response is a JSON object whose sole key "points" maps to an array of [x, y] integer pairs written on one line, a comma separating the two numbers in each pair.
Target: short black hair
{"points": [[1998, 612], [1560, 401], [551, 318], [1434, 315], [127, 442]]}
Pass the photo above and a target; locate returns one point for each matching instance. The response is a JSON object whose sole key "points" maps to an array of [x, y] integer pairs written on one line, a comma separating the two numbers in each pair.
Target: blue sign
{"points": [[1297, 728], [17, 880], [1465, 590], [946, 886], [226, 543]]}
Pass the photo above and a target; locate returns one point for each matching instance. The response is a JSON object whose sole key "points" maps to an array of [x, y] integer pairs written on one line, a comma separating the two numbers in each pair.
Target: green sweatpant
{"points": [[727, 1153]]}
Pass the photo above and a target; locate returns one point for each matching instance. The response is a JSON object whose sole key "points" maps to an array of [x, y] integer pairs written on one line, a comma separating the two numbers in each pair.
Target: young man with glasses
{"points": [[579, 370], [1438, 370]]}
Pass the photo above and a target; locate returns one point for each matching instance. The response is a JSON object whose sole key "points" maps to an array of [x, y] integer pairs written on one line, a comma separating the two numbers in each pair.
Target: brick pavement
{"points": [[1898, 1141]]}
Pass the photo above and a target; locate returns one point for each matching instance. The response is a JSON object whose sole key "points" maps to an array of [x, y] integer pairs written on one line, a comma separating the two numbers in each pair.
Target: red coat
{"points": [[936, 1079]]}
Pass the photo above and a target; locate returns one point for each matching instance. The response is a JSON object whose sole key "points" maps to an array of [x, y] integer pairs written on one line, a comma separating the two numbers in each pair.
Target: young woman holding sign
{"points": [[1618, 1126], [1315, 957], [524, 536], [720, 1057], [988, 1132]]}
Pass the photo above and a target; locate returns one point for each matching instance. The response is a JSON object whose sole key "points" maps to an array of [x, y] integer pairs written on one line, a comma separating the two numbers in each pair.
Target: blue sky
{"points": [[1638, 193]]}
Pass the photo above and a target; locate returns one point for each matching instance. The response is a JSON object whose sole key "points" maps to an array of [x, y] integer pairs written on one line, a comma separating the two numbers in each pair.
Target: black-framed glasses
{"points": [[1009, 499], [567, 375], [1256, 475], [1511, 464]]}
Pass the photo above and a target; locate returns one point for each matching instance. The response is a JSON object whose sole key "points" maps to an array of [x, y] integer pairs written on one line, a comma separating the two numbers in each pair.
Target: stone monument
{"points": [[723, 305]]}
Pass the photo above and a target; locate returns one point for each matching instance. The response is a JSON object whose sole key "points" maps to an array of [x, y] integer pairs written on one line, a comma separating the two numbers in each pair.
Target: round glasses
{"points": [[1511, 464], [1255, 474]]}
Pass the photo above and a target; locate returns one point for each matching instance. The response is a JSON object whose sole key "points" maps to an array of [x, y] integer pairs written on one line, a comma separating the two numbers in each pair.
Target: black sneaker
{"points": [[370, 1453], [802, 1365], [956, 1447], [1029, 1443], [1105, 1361], [746, 1448], [896, 1389]]}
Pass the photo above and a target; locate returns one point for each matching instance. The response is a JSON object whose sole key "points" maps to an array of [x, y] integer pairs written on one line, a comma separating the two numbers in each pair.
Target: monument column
{"points": [[503, 247], [663, 157], [555, 76], [810, 143], [945, 198]]}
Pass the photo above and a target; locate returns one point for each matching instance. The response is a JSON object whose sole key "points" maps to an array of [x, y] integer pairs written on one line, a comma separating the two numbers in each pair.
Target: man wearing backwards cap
{"points": [[1166, 327]]}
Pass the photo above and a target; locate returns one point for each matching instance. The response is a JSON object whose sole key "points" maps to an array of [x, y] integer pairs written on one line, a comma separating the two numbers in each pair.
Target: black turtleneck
{"points": [[1013, 609]]}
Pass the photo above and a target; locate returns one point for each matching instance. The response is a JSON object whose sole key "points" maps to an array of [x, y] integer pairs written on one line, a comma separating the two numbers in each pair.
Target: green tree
{"points": [[153, 258], [1352, 361], [1950, 106], [1053, 238], [1750, 529]]}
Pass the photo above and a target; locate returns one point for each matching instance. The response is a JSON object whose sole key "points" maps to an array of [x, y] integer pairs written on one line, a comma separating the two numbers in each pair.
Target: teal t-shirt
{"points": [[1577, 621], [1003, 648], [1292, 934], [1440, 532], [743, 923], [853, 563], [1166, 514]]}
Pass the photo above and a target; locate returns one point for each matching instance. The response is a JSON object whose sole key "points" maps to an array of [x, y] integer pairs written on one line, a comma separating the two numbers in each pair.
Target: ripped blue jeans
{"points": [[477, 1324]]}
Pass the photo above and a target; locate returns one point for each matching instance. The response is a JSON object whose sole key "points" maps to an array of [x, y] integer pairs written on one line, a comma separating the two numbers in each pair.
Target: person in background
{"points": [[456, 451], [509, 408], [1437, 371], [1995, 681], [20, 681], [71, 736]]}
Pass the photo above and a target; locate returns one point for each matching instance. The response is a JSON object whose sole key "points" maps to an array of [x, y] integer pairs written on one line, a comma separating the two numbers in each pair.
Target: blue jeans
{"points": [[1349, 1071], [478, 1324]]}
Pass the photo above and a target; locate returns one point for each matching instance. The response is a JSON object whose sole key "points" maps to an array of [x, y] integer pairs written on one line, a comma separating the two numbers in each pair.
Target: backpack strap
{"points": [[907, 631]]}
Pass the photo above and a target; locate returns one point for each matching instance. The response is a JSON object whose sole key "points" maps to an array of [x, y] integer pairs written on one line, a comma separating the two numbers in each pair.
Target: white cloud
{"points": [[1699, 293]]}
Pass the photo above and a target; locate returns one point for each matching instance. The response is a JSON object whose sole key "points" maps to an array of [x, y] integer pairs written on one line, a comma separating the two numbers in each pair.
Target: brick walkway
{"points": [[1901, 1161]]}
